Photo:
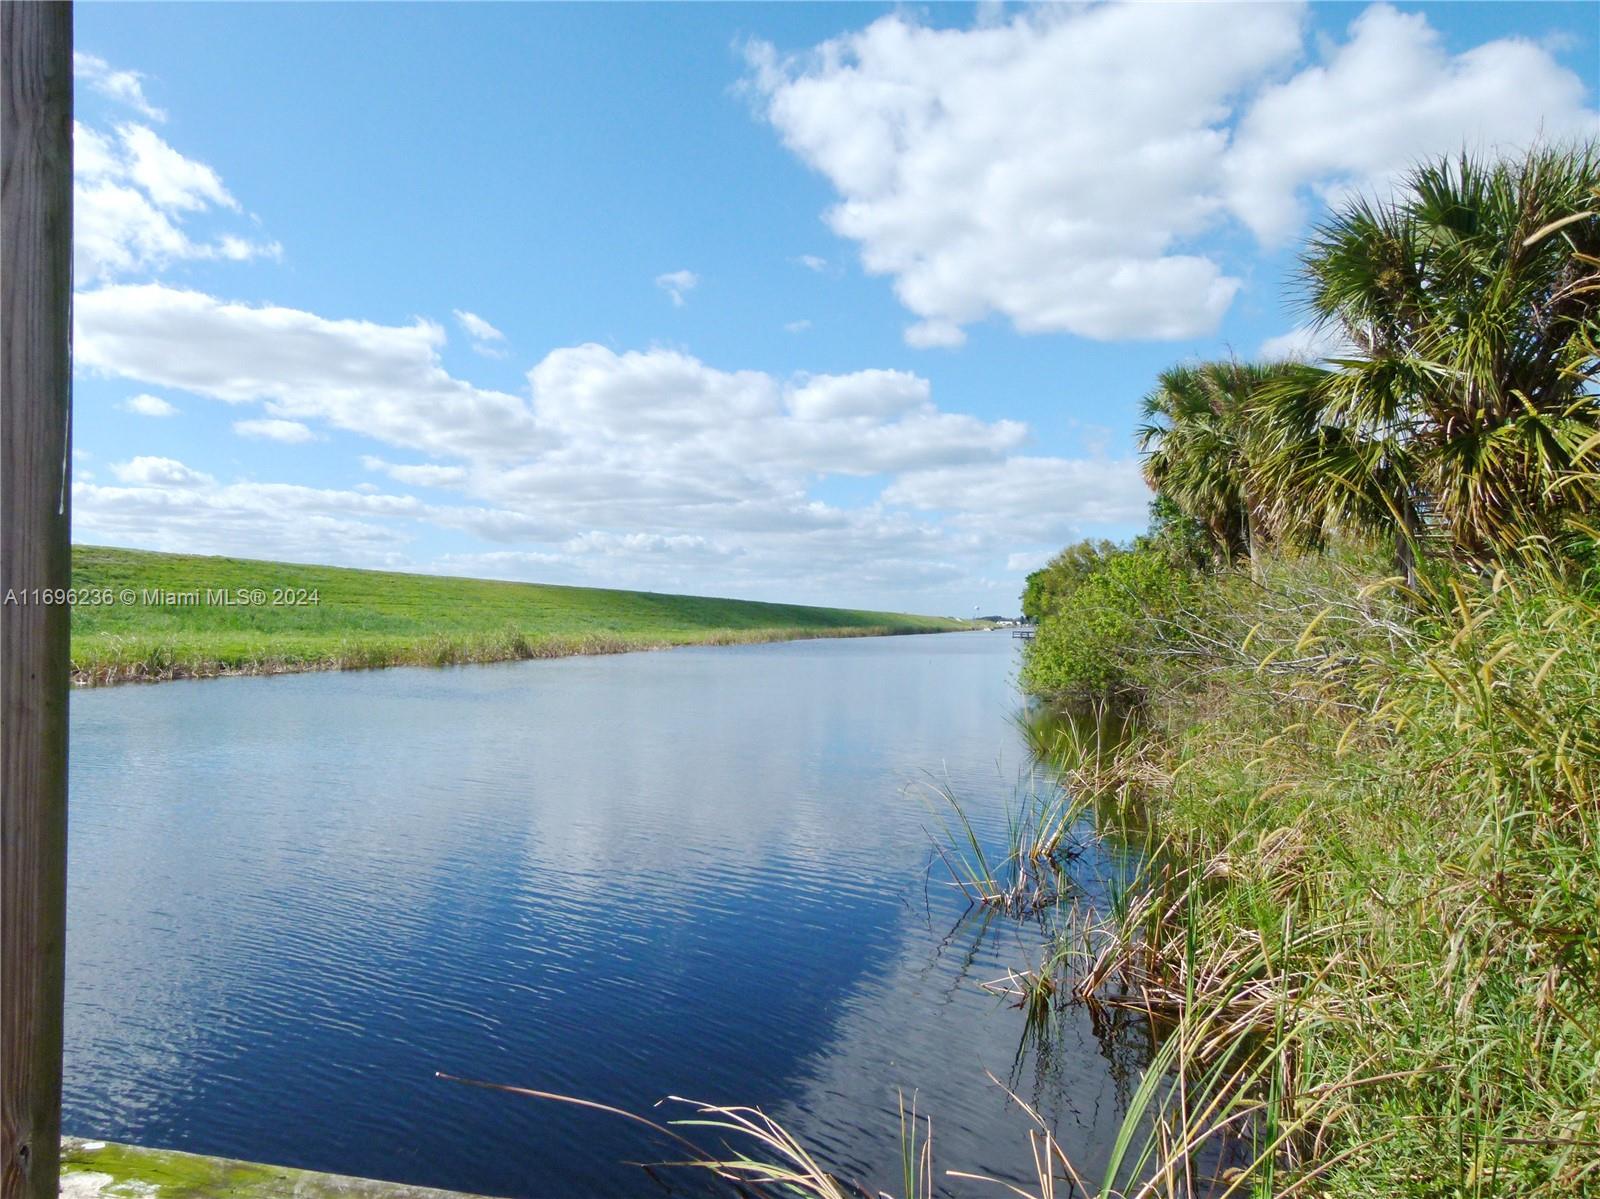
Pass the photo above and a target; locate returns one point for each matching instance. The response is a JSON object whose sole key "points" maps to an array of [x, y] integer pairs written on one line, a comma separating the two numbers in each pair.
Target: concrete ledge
{"points": [[107, 1170]]}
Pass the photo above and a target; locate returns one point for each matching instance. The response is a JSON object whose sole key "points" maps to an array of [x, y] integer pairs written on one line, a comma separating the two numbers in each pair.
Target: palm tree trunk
{"points": [[1405, 541], [1252, 540]]}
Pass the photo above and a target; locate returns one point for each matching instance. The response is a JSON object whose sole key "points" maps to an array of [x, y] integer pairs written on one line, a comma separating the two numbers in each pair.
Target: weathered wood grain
{"points": [[35, 447]]}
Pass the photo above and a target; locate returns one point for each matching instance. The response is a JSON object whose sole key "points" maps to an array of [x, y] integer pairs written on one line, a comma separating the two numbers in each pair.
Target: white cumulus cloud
{"points": [[678, 284], [638, 467], [642, 467], [419, 474], [125, 87], [133, 196], [147, 405], [1305, 343], [288, 432], [1049, 168], [1027, 561], [1388, 96], [162, 503], [1055, 499], [485, 338], [384, 381], [159, 472], [1068, 167]]}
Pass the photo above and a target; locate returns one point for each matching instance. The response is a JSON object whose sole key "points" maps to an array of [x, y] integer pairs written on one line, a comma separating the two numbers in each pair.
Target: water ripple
{"points": [[702, 872]]}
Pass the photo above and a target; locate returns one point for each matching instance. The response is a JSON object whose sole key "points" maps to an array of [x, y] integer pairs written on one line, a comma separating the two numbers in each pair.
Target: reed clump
{"points": [[1025, 874]]}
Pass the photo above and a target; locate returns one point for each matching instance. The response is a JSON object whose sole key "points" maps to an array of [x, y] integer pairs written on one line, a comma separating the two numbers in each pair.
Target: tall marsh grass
{"points": [[1370, 910], [1027, 871]]}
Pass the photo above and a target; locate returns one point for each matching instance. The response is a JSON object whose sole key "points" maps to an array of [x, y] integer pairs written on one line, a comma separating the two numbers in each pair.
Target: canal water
{"points": [[703, 872]]}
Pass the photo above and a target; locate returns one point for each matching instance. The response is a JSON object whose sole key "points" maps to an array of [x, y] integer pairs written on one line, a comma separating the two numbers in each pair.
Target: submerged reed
{"points": [[1030, 872]]}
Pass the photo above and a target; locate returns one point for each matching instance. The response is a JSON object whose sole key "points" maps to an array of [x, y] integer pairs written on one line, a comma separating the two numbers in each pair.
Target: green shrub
{"points": [[1049, 587], [1098, 644]]}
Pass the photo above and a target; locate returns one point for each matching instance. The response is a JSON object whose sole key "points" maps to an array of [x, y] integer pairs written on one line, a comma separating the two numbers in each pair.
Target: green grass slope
{"points": [[363, 618]]}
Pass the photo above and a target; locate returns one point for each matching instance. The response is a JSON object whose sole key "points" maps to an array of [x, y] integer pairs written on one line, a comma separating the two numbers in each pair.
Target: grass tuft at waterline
{"points": [[151, 616]]}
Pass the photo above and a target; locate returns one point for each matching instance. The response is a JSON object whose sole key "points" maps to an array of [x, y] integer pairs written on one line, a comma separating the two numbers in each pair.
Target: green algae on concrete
{"points": [[107, 1170]]}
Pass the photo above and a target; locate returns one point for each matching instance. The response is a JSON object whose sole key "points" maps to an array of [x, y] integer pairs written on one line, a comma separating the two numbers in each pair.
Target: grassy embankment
{"points": [[1369, 926], [365, 619]]}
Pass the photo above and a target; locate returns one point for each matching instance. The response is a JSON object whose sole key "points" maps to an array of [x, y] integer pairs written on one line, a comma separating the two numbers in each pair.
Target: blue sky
{"points": [[834, 303]]}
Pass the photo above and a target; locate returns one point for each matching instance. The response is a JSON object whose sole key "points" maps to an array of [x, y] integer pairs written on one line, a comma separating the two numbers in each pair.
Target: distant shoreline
{"points": [[468, 654], [140, 616]]}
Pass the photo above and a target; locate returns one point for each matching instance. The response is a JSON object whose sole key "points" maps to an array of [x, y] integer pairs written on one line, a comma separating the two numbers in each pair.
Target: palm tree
{"points": [[1191, 455], [1469, 395], [1202, 441]]}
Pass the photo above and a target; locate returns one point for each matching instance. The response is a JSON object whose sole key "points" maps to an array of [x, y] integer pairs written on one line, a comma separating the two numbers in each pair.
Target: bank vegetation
{"points": [[1355, 675]]}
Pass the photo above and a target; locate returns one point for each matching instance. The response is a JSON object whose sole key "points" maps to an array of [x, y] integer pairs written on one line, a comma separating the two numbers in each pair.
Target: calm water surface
{"points": [[702, 872]]}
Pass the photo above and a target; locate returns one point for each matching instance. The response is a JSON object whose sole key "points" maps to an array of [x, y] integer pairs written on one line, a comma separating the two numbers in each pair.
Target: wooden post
{"points": [[35, 560]]}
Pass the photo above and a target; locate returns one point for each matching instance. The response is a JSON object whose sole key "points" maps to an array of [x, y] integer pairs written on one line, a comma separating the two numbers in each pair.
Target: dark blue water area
{"points": [[703, 873]]}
